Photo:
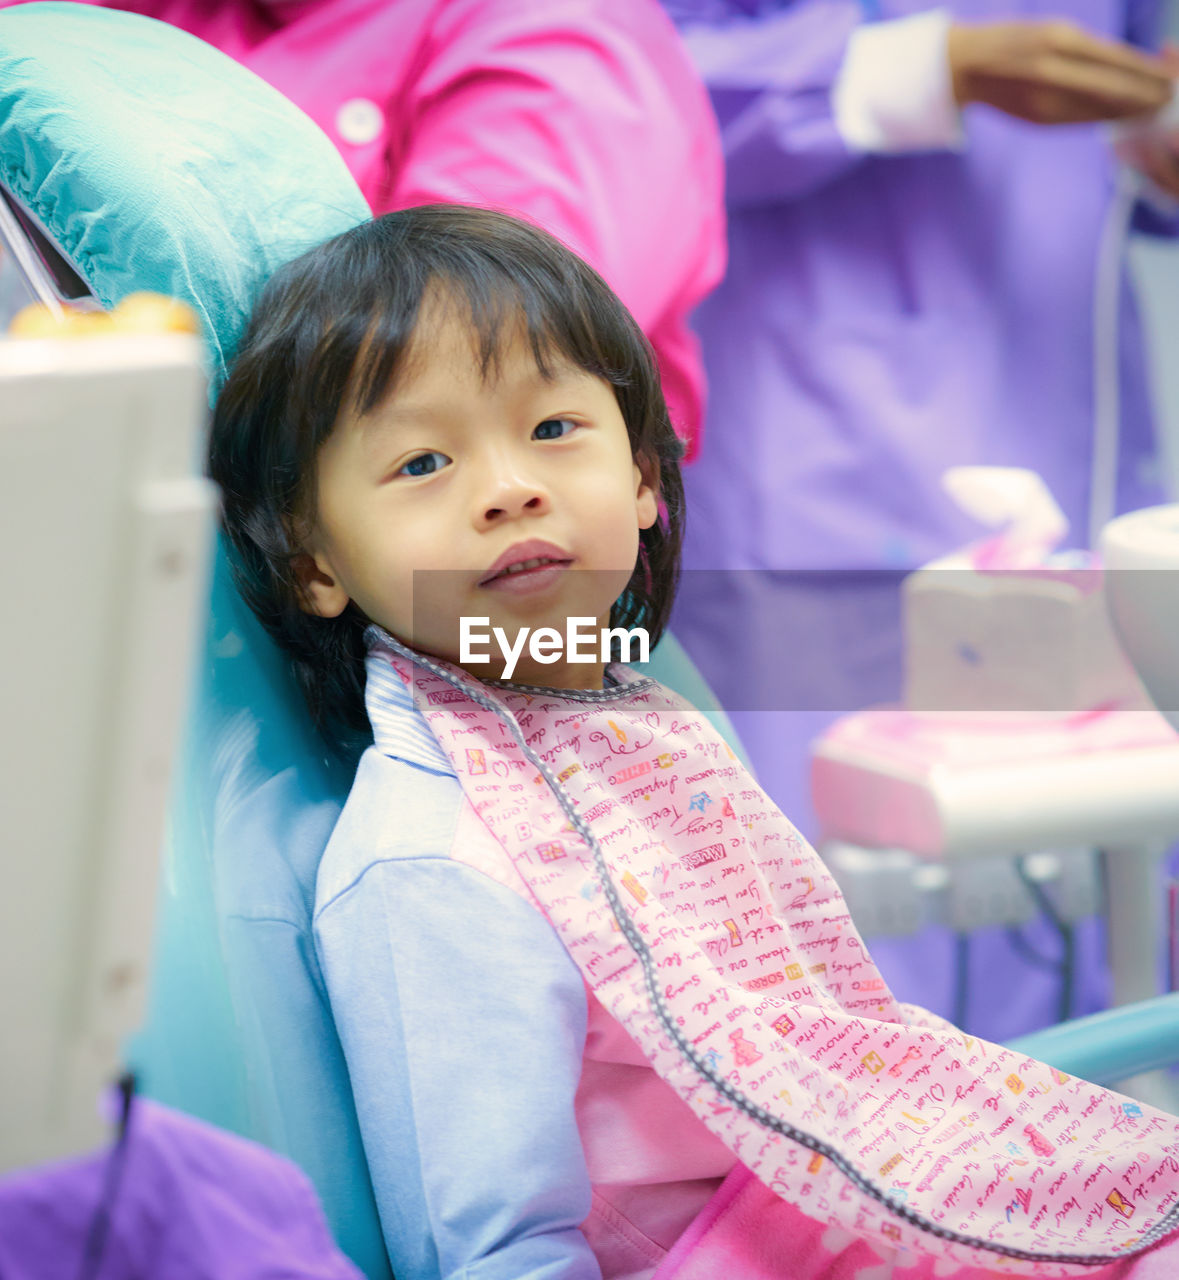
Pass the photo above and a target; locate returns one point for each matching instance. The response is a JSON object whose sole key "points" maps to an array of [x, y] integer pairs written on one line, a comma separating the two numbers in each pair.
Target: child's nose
{"points": [[513, 496]]}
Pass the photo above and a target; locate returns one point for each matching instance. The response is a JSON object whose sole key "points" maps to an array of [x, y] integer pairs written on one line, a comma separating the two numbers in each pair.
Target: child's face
{"points": [[464, 477]]}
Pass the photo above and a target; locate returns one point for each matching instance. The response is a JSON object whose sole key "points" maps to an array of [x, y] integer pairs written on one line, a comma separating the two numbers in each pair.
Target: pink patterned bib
{"points": [[709, 928]]}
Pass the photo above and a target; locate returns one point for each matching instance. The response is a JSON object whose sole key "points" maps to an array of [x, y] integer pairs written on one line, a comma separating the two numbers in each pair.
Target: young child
{"points": [[604, 1012]]}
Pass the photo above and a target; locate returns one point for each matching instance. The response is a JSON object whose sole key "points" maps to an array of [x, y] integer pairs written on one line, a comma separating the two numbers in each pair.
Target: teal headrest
{"points": [[156, 162]]}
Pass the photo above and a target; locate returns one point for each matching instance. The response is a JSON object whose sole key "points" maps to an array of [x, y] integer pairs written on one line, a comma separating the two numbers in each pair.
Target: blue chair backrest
{"points": [[156, 162]]}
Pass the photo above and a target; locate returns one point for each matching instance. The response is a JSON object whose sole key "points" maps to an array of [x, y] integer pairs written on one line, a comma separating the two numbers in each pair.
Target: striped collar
{"points": [[399, 728]]}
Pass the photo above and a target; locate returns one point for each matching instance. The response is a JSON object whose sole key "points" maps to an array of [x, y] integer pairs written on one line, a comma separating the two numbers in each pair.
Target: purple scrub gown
{"points": [[192, 1203], [883, 317]]}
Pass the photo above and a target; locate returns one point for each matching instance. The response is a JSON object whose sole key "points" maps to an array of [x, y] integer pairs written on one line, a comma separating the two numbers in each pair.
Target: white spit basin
{"points": [[1140, 552]]}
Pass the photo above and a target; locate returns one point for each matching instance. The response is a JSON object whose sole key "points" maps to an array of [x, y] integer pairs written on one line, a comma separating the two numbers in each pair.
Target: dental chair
{"points": [[151, 161], [154, 162]]}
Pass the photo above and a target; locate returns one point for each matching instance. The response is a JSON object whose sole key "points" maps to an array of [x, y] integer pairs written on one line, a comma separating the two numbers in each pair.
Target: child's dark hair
{"points": [[331, 328]]}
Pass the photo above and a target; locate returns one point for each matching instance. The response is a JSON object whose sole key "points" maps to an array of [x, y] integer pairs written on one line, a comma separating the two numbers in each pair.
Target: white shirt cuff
{"points": [[893, 91]]}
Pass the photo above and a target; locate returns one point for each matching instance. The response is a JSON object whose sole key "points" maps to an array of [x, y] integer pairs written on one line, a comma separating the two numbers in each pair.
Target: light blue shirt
{"points": [[463, 1022]]}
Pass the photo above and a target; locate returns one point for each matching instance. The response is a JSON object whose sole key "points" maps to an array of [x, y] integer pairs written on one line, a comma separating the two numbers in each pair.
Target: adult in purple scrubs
{"points": [[916, 199]]}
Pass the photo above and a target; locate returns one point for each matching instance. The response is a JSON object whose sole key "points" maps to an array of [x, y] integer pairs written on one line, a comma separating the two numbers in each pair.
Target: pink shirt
{"points": [[584, 116], [653, 1164]]}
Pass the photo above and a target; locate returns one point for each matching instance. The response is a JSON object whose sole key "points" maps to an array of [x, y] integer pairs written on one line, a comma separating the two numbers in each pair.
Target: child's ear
{"points": [[646, 491], [319, 590]]}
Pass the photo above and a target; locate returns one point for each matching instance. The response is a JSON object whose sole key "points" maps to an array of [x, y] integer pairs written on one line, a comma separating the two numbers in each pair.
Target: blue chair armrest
{"points": [[1109, 1046]]}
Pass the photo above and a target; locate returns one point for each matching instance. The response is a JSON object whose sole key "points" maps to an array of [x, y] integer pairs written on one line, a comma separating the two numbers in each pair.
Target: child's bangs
{"points": [[553, 316]]}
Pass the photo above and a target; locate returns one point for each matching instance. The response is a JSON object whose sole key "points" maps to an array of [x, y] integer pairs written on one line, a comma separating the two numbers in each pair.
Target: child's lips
{"points": [[527, 566], [538, 573]]}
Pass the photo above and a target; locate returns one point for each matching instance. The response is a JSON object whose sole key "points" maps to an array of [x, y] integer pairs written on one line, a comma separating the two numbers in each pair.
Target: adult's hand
{"points": [[1053, 72], [1152, 145], [1156, 155]]}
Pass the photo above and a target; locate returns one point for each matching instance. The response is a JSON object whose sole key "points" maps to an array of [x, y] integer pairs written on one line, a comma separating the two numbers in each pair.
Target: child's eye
{"points": [[554, 429], [425, 464]]}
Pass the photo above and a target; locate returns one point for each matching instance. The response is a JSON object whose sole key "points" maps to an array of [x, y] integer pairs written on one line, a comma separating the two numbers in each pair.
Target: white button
{"points": [[359, 121]]}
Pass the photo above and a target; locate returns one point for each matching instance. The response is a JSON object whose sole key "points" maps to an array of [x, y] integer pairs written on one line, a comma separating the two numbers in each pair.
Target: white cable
{"points": [[1103, 471]]}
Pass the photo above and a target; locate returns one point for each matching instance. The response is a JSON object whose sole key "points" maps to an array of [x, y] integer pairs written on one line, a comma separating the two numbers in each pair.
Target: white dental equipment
{"points": [[1024, 728], [1140, 551], [107, 526], [31, 267]]}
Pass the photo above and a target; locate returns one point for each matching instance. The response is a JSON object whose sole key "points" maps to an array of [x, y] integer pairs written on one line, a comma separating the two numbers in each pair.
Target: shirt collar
{"points": [[399, 728]]}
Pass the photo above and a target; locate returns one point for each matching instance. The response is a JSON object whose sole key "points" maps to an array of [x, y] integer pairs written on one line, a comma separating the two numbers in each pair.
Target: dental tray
{"points": [[961, 784]]}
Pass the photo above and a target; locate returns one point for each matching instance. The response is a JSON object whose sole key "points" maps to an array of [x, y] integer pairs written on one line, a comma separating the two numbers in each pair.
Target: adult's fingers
{"points": [[1109, 91], [1054, 72], [1076, 43], [1159, 161]]}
